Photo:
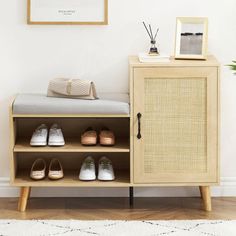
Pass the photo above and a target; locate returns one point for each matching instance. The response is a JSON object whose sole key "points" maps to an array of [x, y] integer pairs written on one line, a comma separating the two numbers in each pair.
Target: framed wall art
{"points": [[191, 38], [68, 12]]}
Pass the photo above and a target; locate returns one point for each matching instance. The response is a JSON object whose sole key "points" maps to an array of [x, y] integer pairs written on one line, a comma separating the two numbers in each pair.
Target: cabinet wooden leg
{"points": [[24, 195], [206, 196], [131, 196], [200, 189], [29, 192]]}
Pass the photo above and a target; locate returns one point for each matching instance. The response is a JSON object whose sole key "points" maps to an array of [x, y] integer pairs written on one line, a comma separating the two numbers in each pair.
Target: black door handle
{"points": [[139, 115]]}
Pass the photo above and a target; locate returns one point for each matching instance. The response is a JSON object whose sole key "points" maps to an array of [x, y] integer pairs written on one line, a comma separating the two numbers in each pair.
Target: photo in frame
{"points": [[191, 38], [67, 12]]}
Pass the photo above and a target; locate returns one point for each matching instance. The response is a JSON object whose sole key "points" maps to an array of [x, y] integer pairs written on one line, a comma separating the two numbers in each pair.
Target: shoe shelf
{"points": [[71, 179], [71, 163], [71, 155], [72, 145]]}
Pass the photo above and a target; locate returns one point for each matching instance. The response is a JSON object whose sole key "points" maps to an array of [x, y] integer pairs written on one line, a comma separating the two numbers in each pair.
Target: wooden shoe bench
{"points": [[167, 133]]}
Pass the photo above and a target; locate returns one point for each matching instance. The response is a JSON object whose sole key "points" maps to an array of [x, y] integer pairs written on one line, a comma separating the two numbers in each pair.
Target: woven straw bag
{"points": [[72, 88]]}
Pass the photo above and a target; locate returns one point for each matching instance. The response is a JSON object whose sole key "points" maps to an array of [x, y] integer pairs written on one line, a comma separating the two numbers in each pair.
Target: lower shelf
{"points": [[71, 179]]}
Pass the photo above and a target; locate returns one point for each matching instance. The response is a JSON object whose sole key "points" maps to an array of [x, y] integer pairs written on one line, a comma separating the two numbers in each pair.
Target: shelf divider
{"points": [[72, 145]]}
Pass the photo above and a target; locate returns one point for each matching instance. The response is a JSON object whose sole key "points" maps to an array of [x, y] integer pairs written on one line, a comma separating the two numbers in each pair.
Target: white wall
{"points": [[31, 55]]}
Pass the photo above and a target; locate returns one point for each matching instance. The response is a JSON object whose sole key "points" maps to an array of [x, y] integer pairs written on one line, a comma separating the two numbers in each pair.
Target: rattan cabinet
{"points": [[169, 137], [175, 119]]}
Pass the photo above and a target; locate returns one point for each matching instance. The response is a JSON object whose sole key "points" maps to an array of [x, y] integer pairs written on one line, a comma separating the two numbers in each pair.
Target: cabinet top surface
{"points": [[211, 61]]}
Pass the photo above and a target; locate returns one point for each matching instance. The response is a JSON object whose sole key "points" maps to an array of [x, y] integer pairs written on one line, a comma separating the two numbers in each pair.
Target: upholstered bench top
{"points": [[117, 104]]}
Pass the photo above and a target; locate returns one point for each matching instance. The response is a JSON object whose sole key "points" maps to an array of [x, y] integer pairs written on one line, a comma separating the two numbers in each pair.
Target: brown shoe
{"points": [[89, 137], [106, 137]]}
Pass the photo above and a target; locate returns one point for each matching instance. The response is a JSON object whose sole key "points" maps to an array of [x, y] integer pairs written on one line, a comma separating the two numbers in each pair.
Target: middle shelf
{"points": [[72, 145]]}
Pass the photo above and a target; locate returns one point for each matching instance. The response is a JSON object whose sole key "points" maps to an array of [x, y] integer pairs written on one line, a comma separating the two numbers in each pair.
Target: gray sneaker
{"points": [[105, 169], [56, 137], [39, 137], [87, 170]]}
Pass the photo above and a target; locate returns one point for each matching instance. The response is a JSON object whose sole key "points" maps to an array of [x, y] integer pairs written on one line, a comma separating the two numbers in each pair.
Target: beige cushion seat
{"points": [[114, 104]]}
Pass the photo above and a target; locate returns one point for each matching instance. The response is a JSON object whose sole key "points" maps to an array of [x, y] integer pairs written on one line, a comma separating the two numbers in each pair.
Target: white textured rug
{"points": [[116, 228]]}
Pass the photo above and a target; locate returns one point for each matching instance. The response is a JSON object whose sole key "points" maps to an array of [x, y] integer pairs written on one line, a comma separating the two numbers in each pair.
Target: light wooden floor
{"points": [[118, 209]]}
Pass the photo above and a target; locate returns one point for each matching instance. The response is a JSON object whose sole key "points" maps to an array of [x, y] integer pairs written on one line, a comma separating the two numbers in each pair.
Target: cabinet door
{"points": [[178, 140]]}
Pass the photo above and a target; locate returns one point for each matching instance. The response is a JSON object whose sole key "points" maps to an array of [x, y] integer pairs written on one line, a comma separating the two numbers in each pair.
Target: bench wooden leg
{"points": [[23, 199], [206, 197]]}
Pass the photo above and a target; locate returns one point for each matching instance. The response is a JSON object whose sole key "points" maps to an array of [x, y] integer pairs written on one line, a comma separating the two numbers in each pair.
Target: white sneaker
{"points": [[39, 137], [87, 170], [105, 170], [56, 136]]}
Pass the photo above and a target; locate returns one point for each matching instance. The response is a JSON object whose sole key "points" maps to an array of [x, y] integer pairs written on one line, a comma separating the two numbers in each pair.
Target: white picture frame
{"points": [[67, 12], [191, 38]]}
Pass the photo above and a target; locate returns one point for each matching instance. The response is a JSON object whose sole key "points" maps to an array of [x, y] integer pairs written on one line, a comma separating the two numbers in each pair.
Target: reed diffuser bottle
{"points": [[153, 49]]}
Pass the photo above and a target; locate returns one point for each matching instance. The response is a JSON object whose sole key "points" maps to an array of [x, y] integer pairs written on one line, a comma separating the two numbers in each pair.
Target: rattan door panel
{"points": [[178, 125]]}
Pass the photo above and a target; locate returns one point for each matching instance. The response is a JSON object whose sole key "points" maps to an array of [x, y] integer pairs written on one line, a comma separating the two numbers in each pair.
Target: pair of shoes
{"points": [[38, 170], [40, 136], [105, 170], [90, 137]]}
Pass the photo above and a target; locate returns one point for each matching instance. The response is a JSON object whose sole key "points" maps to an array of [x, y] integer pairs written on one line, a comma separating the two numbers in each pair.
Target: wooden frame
{"points": [[191, 42], [40, 22], [21, 154], [208, 69]]}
